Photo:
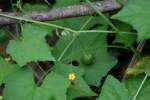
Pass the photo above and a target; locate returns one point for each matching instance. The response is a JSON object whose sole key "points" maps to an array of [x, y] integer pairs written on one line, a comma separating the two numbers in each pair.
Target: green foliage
{"points": [[31, 46], [78, 84], [80, 56], [136, 13], [94, 43], [125, 39], [114, 90], [132, 84], [55, 86], [126, 90], [6, 69], [21, 85]]}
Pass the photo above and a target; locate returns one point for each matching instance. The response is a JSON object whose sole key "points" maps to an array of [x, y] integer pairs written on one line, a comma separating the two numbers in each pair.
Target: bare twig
{"points": [[65, 12], [134, 58], [139, 49]]}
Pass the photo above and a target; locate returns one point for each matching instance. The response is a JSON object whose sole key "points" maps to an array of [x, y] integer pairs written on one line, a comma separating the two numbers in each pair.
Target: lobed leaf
{"points": [[31, 47], [136, 13]]}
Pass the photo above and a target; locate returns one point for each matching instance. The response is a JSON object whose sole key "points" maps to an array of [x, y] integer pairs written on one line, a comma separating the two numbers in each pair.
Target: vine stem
{"points": [[102, 15], [74, 38], [66, 48], [61, 27], [105, 31], [38, 22], [119, 47], [140, 87]]}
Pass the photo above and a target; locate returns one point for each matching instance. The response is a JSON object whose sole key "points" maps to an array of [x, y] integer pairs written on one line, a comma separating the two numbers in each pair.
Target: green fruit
{"points": [[3, 35], [88, 59]]}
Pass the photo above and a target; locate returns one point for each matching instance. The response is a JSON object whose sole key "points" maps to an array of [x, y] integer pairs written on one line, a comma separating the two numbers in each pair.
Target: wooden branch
{"points": [[65, 12]]}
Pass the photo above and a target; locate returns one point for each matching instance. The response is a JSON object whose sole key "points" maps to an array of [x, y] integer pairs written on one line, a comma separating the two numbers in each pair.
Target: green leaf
{"points": [[132, 84], [94, 43], [63, 3], [34, 7], [142, 66], [21, 86], [31, 47], [54, 87], [78, 88], [126, 39], [6, 69], [136, 13], [114, 90]]}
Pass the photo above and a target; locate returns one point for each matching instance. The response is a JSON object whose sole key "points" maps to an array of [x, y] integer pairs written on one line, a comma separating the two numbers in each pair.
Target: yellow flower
{"points": [[71, 76]]}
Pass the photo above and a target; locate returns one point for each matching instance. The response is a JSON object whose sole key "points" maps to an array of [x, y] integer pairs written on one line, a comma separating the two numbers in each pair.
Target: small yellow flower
{"points": [[71, 76]]}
